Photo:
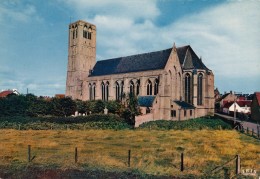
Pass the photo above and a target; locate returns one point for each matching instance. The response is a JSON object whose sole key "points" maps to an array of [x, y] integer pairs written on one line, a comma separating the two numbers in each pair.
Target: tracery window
{"points": [[132, 88], [188, 88], [137, 87], [156, 86], [200, 89], [92, 91], [107, 91], [119, 90], [149, 87], [103, 90]]}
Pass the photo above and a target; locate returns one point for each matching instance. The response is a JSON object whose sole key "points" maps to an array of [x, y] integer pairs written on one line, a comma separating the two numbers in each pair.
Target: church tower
{"points": [[81, 56]]}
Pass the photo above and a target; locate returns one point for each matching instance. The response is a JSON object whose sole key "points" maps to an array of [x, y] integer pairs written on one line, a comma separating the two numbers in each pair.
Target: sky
{"points": [[34, 37]]}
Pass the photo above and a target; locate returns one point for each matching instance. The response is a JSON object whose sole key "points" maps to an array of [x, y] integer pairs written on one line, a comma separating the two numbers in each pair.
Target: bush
{"points": [[192, 124], [94, 121]]}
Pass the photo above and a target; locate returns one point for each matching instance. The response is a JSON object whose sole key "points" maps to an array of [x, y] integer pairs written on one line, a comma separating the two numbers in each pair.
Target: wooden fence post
{"points": [[76, 154], [253, 132], [182, 160], [29, 153], [258, 131], [237, 164], [129, 158], [247, 131]]}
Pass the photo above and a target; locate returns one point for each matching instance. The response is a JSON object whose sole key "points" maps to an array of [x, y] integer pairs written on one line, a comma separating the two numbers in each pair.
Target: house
{"points": [[238, 106], [9, 92], [170, 84], [227, 97], [255, 107]]}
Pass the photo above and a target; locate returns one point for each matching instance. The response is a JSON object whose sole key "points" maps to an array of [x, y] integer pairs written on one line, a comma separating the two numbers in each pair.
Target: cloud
{"points": [[17, 11], [134, 9]]}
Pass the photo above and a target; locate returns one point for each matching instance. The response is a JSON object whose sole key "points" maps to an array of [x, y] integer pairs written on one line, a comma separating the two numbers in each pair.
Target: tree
{"points": [[132, 109]]}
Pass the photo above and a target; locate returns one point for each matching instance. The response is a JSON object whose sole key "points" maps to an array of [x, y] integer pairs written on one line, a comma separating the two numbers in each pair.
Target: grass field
{"points": [[155, 152]]}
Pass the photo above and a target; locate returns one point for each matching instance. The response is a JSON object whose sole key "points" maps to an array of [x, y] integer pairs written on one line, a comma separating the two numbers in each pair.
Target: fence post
{"points": [[253, 132], [237, 164], [182, 159], [29, 153], [247, 131], [76, 154], [129, 158], [258, 131], [19, 126]]}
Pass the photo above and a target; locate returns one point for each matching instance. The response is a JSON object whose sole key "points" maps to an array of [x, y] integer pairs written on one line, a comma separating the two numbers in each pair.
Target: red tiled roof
{"points": [[228, 104], [244, 103], [59, 95], [5, 93]]}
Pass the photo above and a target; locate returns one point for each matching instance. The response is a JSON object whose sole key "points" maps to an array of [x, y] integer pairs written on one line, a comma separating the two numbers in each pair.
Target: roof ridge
{"points": [[135, 54]]}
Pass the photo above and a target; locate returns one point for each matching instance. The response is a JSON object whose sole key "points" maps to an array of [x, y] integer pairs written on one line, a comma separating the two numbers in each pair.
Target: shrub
{"points": [[194, 124]]}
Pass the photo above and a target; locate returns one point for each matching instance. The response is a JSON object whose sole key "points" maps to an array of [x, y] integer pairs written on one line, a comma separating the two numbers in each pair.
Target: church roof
{"points": [[147, 61]]}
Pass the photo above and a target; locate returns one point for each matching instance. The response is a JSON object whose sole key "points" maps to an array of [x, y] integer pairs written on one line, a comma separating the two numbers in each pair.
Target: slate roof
{"points": [[189, 59], [184, 105], [147, 61], [145, 101]]}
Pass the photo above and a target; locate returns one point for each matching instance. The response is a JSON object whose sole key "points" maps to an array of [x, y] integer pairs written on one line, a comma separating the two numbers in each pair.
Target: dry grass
{"points": [[153, 152]]}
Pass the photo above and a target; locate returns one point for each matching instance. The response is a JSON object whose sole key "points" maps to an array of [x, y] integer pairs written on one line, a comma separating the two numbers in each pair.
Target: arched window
{"points": [[156, 86], [149, 87], [132, 88], [200, 89], [137, 87], [188, 88], [103, 89], [75, 32], [92, 91], [117, 91], [107, 91], [87, 32]]}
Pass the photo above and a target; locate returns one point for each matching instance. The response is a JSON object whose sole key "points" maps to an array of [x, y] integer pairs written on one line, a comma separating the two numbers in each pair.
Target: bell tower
{"points": [[81, 56]]}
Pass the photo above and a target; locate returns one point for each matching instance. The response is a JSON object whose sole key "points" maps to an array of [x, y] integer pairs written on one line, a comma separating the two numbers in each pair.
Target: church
{"points": [[170, 84]]}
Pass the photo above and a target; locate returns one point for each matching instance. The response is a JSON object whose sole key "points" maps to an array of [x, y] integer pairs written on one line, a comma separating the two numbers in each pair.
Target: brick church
{"points": [[170, 84]]}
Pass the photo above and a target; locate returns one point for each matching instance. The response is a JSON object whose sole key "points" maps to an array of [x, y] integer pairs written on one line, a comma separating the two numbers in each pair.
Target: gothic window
{"points": [[156, 87], [188, 88], [117, 91], [103, 91], [132, 88], [90, 91], [200, 90], [137, 87], [122, 90], [149, 87], [107, 91]]}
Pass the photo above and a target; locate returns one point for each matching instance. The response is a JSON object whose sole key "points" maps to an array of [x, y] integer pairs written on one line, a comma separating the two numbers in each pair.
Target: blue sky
{"points": [[34, 37]]}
